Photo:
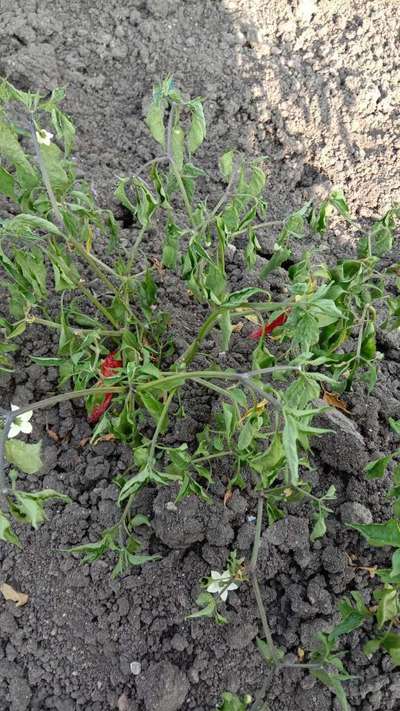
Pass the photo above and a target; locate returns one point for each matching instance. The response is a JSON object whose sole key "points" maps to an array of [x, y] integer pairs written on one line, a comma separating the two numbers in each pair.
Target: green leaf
{"points": [[177, 146], [66, 275], [153, 406], [307, 331], [225, 324], [377, 467], [7, 184], [53, 159], [120, 194], [25, 457], [93, 551], [127, 560], [12, 152], [208, 605], [21, 223], [252, 248], [352, 616], [379, 534], [231, 702], [266, 462], [391, 642], [230, 419], [236, 298], [289, 441], [246, 434], [278, 257], [64, 128], [371, 647], [333, 682], [395, 564], [171, 245], [30, 505], [319, 528], [388, 607], [226, 164], [197, 131], [395, 425], [265, 651], [147, 203], [337, 199], [155, 120], [6, 532]]}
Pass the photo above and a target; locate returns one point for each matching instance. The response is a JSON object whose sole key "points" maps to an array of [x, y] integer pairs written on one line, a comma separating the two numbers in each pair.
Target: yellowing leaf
{"points": [[252, 318], [300, 653], [335, 401], [10, 594], [237, 327]]}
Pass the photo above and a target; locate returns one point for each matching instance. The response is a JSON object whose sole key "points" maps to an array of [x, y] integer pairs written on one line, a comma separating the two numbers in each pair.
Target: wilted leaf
{"points": [[24, 456], [227, 496], [9, 593], [335, 401]]}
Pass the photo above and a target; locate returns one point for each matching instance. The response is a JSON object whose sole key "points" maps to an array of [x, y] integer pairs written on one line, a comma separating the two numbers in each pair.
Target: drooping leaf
{"points": [[379, 534], [24, 456], [376, 468], [9, 593], [226, 164], [197, 131], [6, 532], [155, 120]]}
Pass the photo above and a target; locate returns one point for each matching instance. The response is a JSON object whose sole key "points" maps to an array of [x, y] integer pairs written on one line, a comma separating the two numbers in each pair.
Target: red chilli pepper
{"points": [[269, 327], [100, 409], [107, 368], [109, 365]]}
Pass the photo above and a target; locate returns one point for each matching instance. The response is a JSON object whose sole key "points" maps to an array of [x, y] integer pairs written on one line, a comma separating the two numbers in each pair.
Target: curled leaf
{"points": [[9, 593]]}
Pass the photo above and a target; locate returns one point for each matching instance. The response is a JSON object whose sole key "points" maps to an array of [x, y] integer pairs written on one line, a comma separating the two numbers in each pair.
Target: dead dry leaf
{"points": [[84, 441], [237, 327], [53, 435], [335, 401], [106, 437], [252, 318], [9, 593], [227, 496]]}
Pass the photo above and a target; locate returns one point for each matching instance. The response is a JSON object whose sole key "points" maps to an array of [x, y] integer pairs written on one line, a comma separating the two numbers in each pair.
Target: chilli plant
{"points": [[116, 348]]}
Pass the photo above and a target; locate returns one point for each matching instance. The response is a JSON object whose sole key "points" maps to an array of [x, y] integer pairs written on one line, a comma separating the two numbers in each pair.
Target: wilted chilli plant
{"points": [[112, 344]]}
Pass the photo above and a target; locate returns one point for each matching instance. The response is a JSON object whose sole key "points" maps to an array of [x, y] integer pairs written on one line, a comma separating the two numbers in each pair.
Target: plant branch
{"points": [[39, 405], [256, 587]]}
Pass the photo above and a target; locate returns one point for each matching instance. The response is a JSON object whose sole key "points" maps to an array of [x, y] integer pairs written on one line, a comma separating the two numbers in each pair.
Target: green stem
{"points": [[96, 265], [220, 391], [76, 331], [99, 306], [135, 248], [174, 167], [191, 352], [216, 455], [93, 262], [254, 581], [159, 426], [217, 374], [260, 226], [9, 418]]}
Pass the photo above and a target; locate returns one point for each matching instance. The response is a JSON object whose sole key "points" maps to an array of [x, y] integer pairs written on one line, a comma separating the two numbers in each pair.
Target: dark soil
{"points": [[313, 86]]}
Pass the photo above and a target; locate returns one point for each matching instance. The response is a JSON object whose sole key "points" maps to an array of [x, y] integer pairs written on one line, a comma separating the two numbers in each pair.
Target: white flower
{"points": [[44, 136], [21, 423], [219, 584]]}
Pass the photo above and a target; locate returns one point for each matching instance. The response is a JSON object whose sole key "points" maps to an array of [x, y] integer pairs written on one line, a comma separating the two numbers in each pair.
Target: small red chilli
{"points": [[269, 327], [107, 368]]}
